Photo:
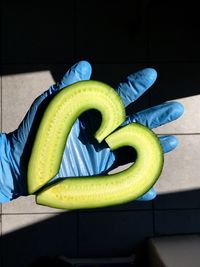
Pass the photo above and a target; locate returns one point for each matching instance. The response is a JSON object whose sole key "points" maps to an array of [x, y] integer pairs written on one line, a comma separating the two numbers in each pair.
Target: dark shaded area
{"points": [[175, 80], [48, 238], [180, 200], [111, 31], [37, 32], [173, 31], [100, 233], [49, 262], [118, 38], [77, 235]]}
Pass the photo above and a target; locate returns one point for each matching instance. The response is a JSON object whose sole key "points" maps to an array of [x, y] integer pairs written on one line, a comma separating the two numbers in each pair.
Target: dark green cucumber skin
{"points": [[62, 111], [95, 192]]}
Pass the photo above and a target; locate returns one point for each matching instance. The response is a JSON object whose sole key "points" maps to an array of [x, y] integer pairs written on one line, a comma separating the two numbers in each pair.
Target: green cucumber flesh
{"points": [[122, 187], [59, 117]]}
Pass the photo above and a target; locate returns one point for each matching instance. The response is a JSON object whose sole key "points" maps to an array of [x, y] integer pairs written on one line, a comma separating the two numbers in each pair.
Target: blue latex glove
{"points": [[81, 156]]}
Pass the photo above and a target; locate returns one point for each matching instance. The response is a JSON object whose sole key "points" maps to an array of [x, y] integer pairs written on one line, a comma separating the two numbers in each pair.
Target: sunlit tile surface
{"points": [[189, 122], [18, 93], [181, 167], [26, 205]]}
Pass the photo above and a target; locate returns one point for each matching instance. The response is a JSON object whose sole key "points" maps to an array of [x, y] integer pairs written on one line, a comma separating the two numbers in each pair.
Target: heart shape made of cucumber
{"points": [[96, 191]]}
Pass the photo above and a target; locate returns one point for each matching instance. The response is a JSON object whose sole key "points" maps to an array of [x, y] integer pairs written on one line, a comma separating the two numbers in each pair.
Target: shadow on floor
{"points": [[64, 234]]}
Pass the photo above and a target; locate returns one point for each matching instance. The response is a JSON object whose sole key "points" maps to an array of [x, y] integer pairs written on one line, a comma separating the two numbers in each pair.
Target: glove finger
{"points": [[168, 143], [78, 72], [136, 84], [151, 194], [158, 115]]}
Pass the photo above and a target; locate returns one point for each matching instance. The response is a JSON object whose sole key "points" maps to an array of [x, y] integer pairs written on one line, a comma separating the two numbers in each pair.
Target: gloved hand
{"points": [[81, 156]]}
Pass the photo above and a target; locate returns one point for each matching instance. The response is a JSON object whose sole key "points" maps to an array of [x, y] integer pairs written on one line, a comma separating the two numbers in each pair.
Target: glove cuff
{"points": [[7, 171]]}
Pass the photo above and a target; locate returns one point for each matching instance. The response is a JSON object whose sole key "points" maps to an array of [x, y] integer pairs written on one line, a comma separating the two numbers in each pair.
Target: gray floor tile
{"points": [[40, 33], [173, 32], [181, 170], [178, 250], [111, 31], [131, 206], [188, 199], [57, 70], [26, 205], [18, 93], [179, 82], [169, 222], [113, 233], [29, 237]]}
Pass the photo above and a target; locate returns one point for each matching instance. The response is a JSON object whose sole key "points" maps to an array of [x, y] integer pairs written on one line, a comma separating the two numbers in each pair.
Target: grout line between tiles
{"points": [[176, 209], [36, 63], [84, 211], [33, 213], [72, 62], [77, 235], [144, 61], [178, 133], [154, 224], [75, 52]]}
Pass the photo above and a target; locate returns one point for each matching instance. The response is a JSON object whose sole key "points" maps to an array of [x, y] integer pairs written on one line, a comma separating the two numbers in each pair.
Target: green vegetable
{"points": [[60, 115], [98, 191]]}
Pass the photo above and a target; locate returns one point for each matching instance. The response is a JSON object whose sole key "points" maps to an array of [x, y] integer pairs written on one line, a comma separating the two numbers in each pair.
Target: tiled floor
{"points": [[38, 46], [175, 179], [179, 82], [178, 250], [23, 88]]}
